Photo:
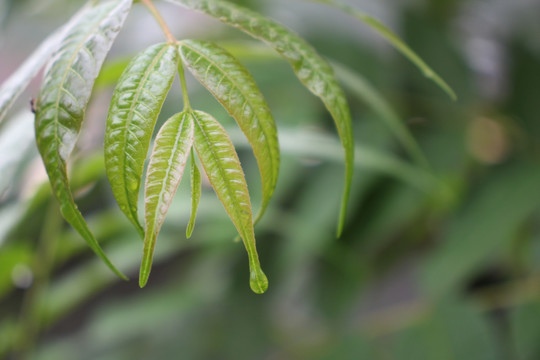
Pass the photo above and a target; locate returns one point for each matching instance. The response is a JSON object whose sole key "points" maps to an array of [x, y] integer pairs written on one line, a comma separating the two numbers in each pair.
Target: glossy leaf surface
{"points": [[230, 83], [134, 109], [312, 70], [63, 97], [167, 162], [195, 194], [395, 41], [221, 164]]}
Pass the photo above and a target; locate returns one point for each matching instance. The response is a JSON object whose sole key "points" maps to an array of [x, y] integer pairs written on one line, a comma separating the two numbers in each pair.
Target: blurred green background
{"points": [[436, 262]]}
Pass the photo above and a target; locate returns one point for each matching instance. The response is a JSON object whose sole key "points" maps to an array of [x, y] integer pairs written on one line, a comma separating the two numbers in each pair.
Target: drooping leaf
{"points": [[221, 164], [63, 97], [134, 109], [195, 194], [312, 70], [13, 87], [166, 168], [231, 83], [395, 41]]}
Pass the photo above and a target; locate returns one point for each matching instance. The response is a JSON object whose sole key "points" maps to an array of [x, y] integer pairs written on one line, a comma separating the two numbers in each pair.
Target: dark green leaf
{"points": [[221, 164], [166, 168], [230, 82], [135, 106], [195, 194], [63, 98], [312, 70]]}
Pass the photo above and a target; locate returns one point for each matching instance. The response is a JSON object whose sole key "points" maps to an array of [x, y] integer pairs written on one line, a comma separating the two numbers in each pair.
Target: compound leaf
{"points": [[395, 41], [167, 162], [220, 162], [195, 194], [230, 83], [312, 70], [63, 97], [135, 106]]}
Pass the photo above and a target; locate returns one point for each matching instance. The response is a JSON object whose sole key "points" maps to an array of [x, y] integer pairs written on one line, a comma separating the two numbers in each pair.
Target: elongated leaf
{"points": [[230, 82], [221, 164], [312, 70], [166, 168], [135, 106], [63, 97], [13, 87], [395, 41], [195, 194]]}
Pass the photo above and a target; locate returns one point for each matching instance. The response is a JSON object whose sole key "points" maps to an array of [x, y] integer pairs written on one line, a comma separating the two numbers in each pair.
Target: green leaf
{"points": [[231, 83], [221, 164], [312, 70], [63, 98], [135, 106], [167, 162], [13, 87], [195, 194], [395, 41]]}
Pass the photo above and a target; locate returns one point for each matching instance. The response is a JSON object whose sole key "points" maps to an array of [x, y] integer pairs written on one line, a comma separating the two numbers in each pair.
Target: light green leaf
{"points": [[63, 98], [13, 87], [395, 41], [221, 164], [167, 162], [231, 83], [312, 70], [195, 194], [135, 106]]}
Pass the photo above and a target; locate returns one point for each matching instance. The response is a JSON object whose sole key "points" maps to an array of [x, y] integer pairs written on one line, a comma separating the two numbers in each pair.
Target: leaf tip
{"points": [[258, 281], [143, 279]]}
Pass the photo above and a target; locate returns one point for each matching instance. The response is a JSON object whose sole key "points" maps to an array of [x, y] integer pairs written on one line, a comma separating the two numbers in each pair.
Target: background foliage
{"points": [[434, 263]]}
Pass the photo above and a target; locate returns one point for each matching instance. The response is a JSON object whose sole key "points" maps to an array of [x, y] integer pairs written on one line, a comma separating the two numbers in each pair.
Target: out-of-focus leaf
{"points": [[166, 168], [135, 106], [448, 331], [364, 91], [230, 82], [481, 230], [312, 70], [315, 145], [13, 87], [525, 330], [195, 194], [395, 41], [16, 140], [221, 164], [63, 98]]}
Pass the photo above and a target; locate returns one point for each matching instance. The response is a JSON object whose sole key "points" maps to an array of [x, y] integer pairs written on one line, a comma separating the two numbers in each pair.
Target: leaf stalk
{"points": [[162, 24]]}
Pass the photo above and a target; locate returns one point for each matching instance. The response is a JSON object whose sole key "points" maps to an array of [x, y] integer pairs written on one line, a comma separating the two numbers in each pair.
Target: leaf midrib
{"points": [[247, 100], [229, 190], [129, 120]]}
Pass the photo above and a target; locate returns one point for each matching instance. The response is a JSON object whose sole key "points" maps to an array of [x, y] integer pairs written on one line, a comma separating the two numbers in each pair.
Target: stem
{"points": [[159, 18], [187, 106]]}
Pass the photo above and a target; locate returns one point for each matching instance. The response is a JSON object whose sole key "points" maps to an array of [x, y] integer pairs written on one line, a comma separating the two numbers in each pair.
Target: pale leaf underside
{"points": [[220, 162], [167, 163], [195, 194]]}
